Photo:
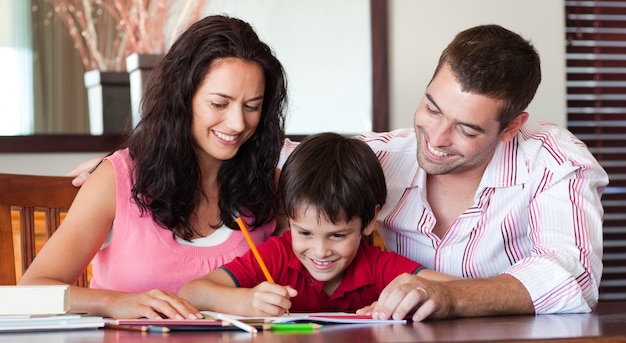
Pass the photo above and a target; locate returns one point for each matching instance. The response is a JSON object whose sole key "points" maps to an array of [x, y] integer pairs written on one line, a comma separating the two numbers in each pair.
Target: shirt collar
{"points": [[507, 166], [351, 281]]}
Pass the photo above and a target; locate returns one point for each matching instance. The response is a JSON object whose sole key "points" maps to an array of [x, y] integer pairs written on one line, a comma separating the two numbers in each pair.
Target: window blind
{"points": [[596, 112]]}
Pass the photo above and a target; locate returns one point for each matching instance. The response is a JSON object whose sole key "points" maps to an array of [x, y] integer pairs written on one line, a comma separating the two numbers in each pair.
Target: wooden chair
{"points": [[28, 194]]}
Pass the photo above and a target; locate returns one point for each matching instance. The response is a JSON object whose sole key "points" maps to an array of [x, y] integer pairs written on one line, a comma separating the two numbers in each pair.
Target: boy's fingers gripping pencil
{"points": [[255, 252]]}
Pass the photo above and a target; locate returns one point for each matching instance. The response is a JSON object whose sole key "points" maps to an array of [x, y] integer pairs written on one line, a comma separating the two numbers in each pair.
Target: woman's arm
{"points": [[67, 253]]}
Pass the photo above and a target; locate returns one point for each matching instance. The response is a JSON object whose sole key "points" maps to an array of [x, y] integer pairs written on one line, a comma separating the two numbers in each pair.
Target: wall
{"points": [[325, 48], [419, 30], [42, 163]]}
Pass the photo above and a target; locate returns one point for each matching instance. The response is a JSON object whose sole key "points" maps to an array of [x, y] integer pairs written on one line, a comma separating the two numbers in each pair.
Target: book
{"points": [[34, 300], [332, 318], [48, 323], [314, 317]]}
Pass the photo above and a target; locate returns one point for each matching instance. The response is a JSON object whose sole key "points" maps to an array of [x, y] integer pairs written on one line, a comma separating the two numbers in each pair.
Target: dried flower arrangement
{"points": [[105, 32]]}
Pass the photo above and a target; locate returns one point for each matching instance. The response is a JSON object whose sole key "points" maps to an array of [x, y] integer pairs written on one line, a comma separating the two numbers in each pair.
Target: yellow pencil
{"points": [[246, 234], [255, 252]]}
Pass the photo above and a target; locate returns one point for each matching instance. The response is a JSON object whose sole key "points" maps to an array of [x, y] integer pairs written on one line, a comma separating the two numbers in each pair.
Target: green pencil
{"points": [[302, 327]]}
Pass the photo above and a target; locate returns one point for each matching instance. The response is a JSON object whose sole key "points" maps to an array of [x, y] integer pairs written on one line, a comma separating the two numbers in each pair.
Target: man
{"points": [[509, 204]]}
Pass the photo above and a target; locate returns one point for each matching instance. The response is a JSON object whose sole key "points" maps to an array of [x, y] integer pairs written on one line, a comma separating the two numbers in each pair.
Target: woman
{"points": [[162, 212]]}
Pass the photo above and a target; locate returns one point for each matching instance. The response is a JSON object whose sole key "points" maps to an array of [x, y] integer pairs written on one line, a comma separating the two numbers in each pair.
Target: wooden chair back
{"points": [[28, 194]]}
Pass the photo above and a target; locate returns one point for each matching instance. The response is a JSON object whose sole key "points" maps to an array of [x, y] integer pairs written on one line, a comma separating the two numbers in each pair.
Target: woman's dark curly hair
{"points": [[166, 174]]}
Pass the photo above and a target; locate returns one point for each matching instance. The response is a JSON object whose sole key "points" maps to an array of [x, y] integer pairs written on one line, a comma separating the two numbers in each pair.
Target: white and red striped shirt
{"points": [[537, 215]]}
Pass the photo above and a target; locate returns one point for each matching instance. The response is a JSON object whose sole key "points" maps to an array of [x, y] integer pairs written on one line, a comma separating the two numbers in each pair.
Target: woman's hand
{"points": [[153, 304]]}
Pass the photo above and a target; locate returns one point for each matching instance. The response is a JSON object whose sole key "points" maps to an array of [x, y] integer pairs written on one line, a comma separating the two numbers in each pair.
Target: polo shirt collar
{"points": [[351, 280]]}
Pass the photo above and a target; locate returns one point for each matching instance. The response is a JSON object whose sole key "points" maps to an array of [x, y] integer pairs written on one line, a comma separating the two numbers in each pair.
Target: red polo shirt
{"points": [[370, 271]]}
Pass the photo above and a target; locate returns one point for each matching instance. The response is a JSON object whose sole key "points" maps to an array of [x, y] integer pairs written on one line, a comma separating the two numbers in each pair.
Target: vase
{"points": [[139, 67], [108, 98]]}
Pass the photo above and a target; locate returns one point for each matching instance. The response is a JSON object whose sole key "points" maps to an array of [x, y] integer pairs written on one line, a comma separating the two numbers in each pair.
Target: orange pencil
{"points": [[255, 252], [246, 234]]}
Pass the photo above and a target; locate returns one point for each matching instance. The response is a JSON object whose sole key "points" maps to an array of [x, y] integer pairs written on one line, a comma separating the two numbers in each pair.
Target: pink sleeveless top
{"points": [[142, 256]]}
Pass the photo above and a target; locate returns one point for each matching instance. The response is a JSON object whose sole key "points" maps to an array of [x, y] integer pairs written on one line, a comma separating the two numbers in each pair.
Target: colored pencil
{"points": [[142, 328], [295, 327], [153, 328], [255, 252], [235, 322], [257, 256]]}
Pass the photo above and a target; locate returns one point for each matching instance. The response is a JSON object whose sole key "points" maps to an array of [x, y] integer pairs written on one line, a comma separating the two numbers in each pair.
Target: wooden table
{"points": [[606, 324]]}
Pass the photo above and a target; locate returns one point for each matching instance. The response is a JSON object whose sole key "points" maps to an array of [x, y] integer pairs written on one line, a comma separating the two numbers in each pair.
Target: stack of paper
{"points": [[47, 323], [34, 300]]}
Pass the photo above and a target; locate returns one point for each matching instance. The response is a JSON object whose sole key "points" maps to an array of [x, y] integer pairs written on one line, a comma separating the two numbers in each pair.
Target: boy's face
{"points": [[326, 249]]}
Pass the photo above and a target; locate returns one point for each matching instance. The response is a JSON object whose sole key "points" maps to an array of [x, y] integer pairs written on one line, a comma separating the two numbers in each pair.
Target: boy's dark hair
{"points": [[492, 61], [339, 177]]}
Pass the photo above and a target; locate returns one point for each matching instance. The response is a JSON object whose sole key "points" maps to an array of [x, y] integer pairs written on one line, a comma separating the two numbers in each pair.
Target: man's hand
{"points": [[410, 294], [82, 170]]}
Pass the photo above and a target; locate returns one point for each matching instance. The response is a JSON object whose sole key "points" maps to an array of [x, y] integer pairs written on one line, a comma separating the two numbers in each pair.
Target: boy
{"points": [[332, 189]]}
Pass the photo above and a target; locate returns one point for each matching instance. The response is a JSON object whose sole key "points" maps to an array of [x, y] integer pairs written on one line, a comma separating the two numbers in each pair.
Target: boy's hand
{"points": [[271, 300], [367, 310]]}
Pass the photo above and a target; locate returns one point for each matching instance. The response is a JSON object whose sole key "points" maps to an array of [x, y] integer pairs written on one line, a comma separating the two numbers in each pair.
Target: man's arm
{"points": [[502, 294], [561, 275]]}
